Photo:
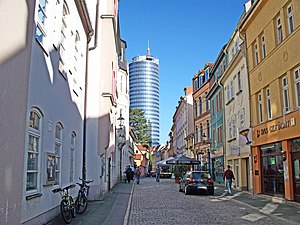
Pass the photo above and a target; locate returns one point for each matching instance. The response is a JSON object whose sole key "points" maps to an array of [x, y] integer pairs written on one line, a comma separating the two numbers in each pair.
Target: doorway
{"points": [[296, 175]]}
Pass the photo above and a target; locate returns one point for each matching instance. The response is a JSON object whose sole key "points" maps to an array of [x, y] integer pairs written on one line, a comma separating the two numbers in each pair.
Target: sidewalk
{"points": [[111, 210], [266, 204]]}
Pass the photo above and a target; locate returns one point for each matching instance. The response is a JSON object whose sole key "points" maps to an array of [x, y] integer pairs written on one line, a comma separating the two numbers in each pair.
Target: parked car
{"points": [[197, 181]]}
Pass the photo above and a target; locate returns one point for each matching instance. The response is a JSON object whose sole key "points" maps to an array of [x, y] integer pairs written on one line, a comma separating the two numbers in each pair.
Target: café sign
{"points": [[281, 125]]}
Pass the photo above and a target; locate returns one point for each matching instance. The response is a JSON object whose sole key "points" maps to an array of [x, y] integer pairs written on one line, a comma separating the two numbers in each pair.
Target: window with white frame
{"points": [[239, 79], [228, 92], [40, 32], [263, 47], [285, 93], [234, 127], [255, 50], [260, 110], [72, 157], [242, 118], [232, 89], [269, 106], [64, 33], [214, 136], [33, 152], [230, 128], [297, 85], [279, 30], [57, 151], [290, 18]]}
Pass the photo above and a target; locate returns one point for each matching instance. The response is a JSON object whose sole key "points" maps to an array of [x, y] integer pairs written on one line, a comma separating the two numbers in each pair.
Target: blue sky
{"points": [[183, 34]]}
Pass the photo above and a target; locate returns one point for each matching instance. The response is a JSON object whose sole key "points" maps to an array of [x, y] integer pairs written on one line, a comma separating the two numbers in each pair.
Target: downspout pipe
{"points": [[85, 89]]}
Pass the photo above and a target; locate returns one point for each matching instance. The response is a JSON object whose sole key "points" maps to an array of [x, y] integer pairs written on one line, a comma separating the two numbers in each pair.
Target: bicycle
{"points": [[82, 197], [67, 206]]}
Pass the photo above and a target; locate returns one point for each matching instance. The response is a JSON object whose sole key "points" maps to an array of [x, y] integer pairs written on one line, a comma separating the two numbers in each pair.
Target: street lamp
{"points": [[121, 139]]}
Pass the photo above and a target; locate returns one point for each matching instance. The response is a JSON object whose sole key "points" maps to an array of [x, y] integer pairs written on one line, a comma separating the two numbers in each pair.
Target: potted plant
{"points": [[179, 171]]}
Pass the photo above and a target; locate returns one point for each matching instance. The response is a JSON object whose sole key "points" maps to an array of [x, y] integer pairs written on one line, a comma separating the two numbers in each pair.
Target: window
{"points": [[196, 134], [255, 50], [201, 132], [263, 47], [228, 93], [260, 115], [72, 157], [269, 107], [220, 133], [279, 30], [208, 130], [64, 31], [214, 136], [200, 106], [239, 81], [33, 152], [207, 105], [40, 32], [232, 89], [285, 90], [212, 107], [196, 109], [230, 128], [242, 118], [219, 101], [206, 74], [57, 151], [233, 127], [290, 18], [297, 85]]}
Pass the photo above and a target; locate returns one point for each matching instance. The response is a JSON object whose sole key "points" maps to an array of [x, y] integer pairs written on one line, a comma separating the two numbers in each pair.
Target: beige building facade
{"points": [[272, 34]]}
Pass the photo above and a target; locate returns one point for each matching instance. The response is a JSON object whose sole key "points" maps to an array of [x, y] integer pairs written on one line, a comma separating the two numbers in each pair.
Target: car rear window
{"points": [[201, 175]]}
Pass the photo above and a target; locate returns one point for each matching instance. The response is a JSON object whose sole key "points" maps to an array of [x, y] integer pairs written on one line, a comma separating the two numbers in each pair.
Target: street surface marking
{"points": [[253, 217], [269, 208]]}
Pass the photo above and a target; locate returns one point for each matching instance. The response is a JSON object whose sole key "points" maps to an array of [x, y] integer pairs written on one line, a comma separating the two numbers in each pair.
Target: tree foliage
{"points": [[138, 122]]}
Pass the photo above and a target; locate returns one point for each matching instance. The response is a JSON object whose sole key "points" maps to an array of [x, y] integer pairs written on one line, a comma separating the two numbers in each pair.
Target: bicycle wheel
{"points": [[65, 210], [81, 203], [73, 211]]}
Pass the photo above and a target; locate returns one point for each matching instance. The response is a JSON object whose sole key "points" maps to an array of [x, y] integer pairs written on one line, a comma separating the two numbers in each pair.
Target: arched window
{"points": [[57, 151], [33, 152]]}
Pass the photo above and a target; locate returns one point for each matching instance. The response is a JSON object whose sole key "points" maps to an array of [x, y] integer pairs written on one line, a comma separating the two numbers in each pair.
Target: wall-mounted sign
{"points": [[281, 125]]}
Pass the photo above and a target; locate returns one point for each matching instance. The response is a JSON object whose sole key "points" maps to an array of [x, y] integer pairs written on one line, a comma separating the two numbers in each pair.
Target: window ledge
{"points": [[232, 139], [240, 91], [32, 196], [227, 103]]}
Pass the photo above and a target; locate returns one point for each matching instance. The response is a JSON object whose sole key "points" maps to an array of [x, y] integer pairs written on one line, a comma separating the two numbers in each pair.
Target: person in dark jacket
{"points": [[128, 173], [229, 177]]}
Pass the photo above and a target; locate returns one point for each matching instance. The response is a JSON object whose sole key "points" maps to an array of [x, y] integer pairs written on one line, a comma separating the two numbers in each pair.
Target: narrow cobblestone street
{"points": [[161, 203]]}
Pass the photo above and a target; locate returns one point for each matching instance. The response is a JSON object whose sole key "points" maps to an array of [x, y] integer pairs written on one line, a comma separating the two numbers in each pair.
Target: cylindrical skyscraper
{"points": [[144, 90]]}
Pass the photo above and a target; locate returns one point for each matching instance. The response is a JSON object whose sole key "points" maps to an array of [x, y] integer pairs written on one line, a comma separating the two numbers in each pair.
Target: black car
{"points": [[197, 181]]}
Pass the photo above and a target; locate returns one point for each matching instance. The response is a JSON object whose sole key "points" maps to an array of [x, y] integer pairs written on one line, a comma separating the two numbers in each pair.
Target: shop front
{"points": [[276, 157], [296, 168]]}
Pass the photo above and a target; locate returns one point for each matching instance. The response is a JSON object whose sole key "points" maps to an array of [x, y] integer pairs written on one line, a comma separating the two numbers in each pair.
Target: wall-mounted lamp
{"points": [[283, 155], [121, 120], [255, 158]]}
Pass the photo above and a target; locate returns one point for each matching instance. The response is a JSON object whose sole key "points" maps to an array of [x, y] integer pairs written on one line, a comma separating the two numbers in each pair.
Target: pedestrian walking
{"points": [[128, 173], [138, 174], [158, 171], [229, 177]]}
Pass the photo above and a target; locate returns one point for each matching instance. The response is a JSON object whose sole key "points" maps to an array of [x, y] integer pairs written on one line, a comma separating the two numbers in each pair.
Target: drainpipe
{"points": [[85, 94], [224, 125], [243, 37]]}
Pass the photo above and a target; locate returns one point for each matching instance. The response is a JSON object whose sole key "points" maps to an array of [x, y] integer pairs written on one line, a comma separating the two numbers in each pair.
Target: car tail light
{"points": [[191, 180], [210, 181]]}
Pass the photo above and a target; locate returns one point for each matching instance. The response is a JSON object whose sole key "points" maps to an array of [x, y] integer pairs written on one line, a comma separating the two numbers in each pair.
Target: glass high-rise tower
{"points": [[144, 90]]}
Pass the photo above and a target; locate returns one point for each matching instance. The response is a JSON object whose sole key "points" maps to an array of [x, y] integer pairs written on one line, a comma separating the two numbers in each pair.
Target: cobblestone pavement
{"points": [[162, 203]]}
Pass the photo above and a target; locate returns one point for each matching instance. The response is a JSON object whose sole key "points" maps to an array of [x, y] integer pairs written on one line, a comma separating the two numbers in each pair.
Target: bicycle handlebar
{"points": [[86, 181], [62, 189]]}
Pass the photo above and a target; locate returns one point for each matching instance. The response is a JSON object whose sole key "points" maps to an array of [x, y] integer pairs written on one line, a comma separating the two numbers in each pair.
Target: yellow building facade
{"points": [[271, 32]]}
